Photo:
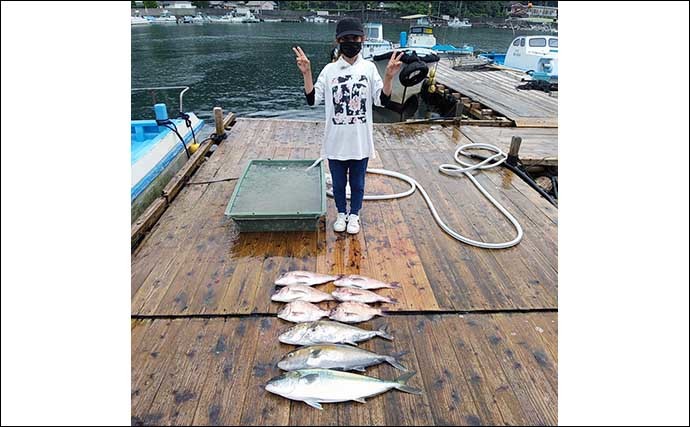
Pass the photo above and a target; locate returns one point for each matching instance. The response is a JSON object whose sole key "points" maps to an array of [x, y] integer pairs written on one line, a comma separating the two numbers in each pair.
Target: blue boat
{"points": [[159, 148]]}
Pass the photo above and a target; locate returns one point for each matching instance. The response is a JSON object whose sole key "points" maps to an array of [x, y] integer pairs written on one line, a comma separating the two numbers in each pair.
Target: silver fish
{"points": [[362, 282], [353, 312], [306, 278], [301, 311], [292, 293], [325, 331], [334, 356], [315, 386], [360, 295]]}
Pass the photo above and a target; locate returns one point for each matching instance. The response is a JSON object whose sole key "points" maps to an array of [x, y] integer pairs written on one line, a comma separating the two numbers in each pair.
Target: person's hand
{"points": [[394, 63], [302, 61]]}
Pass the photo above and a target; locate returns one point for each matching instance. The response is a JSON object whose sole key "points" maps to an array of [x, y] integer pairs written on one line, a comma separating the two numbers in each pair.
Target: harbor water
{"points": [[250, 68]]}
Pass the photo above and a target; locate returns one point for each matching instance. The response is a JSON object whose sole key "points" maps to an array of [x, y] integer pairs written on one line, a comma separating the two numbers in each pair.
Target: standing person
{"points": [[350, 87]]}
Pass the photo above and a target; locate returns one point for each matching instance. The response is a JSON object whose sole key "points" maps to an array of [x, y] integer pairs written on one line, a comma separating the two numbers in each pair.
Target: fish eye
{"points": [[290, 355]]}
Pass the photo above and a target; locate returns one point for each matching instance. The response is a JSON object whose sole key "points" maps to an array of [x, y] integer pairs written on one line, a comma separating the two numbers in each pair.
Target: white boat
{"points": [[315, 19], [272, 20], [138, 20], [246, 17], [418, 46], [164, 18], [375, 44], [533, 54], [458, 23]]}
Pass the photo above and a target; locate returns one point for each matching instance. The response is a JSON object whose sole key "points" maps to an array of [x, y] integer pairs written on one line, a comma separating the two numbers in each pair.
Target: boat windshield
{"points": [[553, 42], [373, 33], [538, 42]]}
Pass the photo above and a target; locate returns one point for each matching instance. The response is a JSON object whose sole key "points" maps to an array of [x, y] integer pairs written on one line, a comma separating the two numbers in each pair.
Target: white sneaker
{"points": [[340, 223], [353, 224]]}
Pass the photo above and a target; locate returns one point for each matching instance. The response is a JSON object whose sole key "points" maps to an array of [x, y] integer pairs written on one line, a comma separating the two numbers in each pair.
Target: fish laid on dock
{"points": [[292, 293], [326, 331], [360, 295], [315, 386], [334, 356], [362, 282], [301, 311], [353, 312], [306, 278]]}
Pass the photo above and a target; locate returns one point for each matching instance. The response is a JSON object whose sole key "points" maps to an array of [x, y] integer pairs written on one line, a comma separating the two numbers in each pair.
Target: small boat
{"points": [[375, 44], [421, 52], [458, 23], [272, 20], [164, 18], [316, 19], [138, 20], [532, 54], [157, 153]]}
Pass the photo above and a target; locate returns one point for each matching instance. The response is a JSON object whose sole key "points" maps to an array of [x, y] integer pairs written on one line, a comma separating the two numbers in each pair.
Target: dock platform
{"points": [[496, 89], [480, 326]]}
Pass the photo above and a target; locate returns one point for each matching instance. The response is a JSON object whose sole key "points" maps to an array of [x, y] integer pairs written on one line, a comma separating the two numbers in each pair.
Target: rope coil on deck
{"points": [[453, 170]]}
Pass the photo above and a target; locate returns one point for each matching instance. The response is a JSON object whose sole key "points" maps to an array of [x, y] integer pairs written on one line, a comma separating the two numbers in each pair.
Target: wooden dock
{"points": [[480, 325], [496, 89]]}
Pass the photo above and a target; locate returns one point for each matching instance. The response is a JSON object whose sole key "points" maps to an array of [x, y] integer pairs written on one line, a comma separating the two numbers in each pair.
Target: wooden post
{"points": [[218, 116], [514, 146]]}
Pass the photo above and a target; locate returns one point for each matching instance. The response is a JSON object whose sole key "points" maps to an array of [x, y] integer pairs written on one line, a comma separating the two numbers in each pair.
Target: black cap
{"points": [[349, 27]]}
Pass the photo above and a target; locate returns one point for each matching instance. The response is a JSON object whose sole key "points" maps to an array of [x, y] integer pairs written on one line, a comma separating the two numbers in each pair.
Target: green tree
{"points": [[151, 4], [201, 4]]}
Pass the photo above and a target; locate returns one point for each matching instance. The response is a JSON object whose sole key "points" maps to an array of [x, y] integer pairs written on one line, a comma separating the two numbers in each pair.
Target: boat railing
{"points": [[182, 92]]}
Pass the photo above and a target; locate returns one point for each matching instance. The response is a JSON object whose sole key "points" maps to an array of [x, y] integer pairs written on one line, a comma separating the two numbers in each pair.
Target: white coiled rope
{"points": [[453, 170]]}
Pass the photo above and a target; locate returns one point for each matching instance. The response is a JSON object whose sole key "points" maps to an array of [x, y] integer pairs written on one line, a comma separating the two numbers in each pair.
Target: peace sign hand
{"points": [[394, 63], [302, 61]]}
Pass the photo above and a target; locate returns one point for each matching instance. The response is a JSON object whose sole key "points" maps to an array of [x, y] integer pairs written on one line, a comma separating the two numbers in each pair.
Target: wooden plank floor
{"points": [[474, 369], [195, 262], [497, 90], [539, 145]]}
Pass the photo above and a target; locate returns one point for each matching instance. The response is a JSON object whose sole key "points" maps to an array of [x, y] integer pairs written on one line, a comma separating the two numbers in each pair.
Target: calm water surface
{"points": [[249, 68]]}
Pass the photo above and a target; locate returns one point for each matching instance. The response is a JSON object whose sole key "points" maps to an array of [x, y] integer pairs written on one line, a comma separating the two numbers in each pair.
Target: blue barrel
{"points": [[161, 111], [403, 39]]}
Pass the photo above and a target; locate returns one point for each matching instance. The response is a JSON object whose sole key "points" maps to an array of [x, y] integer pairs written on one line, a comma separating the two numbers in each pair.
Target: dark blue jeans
{"points": [[356, 169]]}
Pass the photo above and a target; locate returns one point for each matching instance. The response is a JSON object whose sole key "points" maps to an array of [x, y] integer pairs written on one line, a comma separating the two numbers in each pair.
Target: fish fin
{"points": [[298, 313], [302, 283], [351, 343], [357, 278], [394, 363], [382, 313], [315, 353], [395, 285], [392, 300], [383, 333], [401, 383], [360, 400], [314, 404]]}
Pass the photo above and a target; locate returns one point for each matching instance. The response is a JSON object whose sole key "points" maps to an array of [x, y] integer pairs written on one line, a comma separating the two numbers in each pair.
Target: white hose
{"points": [[453, 170]]}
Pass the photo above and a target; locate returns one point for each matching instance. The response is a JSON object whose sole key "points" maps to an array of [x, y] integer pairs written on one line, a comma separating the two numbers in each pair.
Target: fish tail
{"points": [[401, 383], [382, 313], [383, 333], [394, 363], [395, 285], [391, 300]]}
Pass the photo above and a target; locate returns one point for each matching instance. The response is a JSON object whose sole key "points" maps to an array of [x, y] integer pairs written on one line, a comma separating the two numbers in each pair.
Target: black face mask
{"points": [[350, 49]]}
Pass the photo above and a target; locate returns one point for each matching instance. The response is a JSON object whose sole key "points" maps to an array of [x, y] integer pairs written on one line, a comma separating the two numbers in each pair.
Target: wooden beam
{"points": [[147, 219], [228, 121], [218, 117]]}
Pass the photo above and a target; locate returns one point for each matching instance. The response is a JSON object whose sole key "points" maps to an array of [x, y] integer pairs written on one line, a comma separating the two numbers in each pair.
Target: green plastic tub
{"points": [[279, 195]]}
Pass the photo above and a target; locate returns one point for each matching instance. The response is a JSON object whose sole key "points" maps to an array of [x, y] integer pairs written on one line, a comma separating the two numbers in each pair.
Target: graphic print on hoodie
{"points": [[349, 99]]}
